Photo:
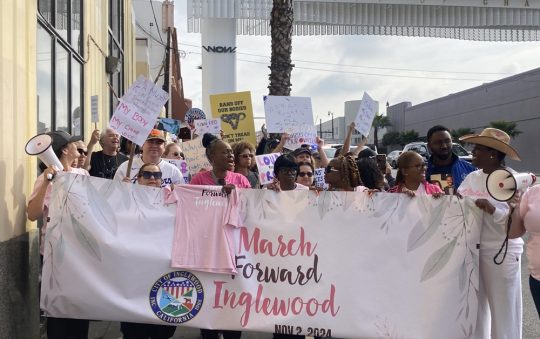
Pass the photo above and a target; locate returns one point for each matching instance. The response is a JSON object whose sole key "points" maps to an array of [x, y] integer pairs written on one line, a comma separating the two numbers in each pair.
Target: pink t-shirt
{"points": [[45, 215], [206, 178], [529, 209], [203, 238]]}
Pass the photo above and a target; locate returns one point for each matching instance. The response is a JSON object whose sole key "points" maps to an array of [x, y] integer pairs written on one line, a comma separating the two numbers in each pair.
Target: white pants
{"points": [[499, 298]]}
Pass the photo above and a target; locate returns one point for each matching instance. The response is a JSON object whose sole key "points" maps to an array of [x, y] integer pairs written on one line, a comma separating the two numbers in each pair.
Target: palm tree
{"points": [[379, 121], [508, 126], [458, 133], [281, 25], [391, 138], [408, 137]]}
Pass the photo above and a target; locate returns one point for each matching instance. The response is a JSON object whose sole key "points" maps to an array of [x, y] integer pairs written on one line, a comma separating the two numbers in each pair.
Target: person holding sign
{"points": [[149, 175], [221, 157], [411, 177], [65, 147], [152, 151], [244, 161]]}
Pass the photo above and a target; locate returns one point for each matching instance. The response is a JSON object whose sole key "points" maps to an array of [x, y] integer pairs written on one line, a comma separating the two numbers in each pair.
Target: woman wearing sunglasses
{"points": [[149, 175], [244, 161], [342, 174], [173, 151], [305, 174], [411, 177]]}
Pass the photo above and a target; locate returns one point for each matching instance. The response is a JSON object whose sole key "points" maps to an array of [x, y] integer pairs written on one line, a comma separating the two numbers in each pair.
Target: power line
{"points": [[366, 74], [157, 26], [363, 66]]}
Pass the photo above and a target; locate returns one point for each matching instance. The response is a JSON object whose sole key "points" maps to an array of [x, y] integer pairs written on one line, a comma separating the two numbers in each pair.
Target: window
{"points": [[116, 49], [59, 66]]}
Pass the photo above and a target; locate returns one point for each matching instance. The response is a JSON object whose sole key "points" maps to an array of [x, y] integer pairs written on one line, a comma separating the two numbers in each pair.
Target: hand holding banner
{"points": [[365, 115]]}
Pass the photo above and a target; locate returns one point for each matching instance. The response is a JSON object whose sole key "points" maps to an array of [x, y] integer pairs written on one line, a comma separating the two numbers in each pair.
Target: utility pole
{"points": [[332, 113]]}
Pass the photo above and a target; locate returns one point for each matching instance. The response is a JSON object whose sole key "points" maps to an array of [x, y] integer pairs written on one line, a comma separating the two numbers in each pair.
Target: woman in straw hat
{"points": [[499, 297]]}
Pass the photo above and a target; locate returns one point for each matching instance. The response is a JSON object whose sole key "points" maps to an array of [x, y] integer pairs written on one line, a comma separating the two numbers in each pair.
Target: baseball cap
{"points": [[301, 150], [156, 134], [60, 139]]}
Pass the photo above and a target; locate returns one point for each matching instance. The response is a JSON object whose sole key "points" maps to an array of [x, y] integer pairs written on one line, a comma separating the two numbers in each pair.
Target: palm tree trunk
{"points": [[281, 24]]}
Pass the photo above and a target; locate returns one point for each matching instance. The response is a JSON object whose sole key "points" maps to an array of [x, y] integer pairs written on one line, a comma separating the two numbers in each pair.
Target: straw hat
{"points": [[493, 138]]}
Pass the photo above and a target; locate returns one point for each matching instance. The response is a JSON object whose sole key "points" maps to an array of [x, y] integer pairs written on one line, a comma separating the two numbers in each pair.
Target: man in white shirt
{"points": [[152, 150]]}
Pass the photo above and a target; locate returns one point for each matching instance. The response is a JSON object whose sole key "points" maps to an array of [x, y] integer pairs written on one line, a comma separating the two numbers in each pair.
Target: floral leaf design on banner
{"points": [[421, 234], [103, 212], [325, 202], [438, 260], [86, 239]]}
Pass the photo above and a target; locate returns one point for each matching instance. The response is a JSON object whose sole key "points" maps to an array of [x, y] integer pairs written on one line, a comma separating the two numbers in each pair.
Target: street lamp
{"points": [[332, 114]]}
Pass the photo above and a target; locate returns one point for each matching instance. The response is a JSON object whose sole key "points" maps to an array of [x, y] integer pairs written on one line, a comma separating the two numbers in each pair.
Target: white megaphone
{"points": [[503, 185], [40, 145]]}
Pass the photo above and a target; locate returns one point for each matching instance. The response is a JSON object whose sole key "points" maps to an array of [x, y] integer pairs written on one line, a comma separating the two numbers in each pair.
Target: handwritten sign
{"points": [[300, 135], [236, 115], [318, 179], [195, 155], [365, 115], [138, 110], [169, 125], [265, 164], [284, 112], [94, 108], [212, 126], [182, 166]]}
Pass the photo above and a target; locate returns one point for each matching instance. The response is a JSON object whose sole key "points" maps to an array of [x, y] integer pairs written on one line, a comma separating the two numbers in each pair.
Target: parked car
{"points": [[392, 158], [422, 149]]}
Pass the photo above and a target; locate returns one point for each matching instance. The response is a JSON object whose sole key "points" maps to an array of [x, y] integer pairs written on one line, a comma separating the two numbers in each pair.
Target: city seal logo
{"points": [[177, 297]]}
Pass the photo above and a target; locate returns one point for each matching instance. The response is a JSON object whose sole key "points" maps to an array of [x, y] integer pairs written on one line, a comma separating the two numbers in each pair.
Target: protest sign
{"points": [[366, 113], [301, 135], [212, 126], [195, 155], [137, 112], [169, 125], [318, 179], [340, 264], [284, 112], [265, 164], [94, 108], [182, 166], [236, 114]]}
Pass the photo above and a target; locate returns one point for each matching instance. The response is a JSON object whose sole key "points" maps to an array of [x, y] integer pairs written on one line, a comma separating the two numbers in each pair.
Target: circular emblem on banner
{"points": [[176, 297]]}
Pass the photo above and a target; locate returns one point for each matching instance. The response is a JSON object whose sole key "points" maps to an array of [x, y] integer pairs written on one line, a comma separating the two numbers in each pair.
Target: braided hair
{"points": [[349, 170]]}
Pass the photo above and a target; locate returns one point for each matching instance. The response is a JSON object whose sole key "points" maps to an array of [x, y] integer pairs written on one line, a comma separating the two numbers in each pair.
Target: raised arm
{"points": [[90, 148], [347, 141]]}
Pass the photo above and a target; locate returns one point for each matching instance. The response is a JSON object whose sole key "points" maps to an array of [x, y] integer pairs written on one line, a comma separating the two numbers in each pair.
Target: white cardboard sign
{"points": [[283, 112], [195, 154], [265, 164], [365, 115], [300, 135], [212, 126]]}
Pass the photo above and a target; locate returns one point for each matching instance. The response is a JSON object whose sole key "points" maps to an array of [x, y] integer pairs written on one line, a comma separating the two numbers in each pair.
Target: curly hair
{"points": [[370, 174], [239, 147], [349, 170]]}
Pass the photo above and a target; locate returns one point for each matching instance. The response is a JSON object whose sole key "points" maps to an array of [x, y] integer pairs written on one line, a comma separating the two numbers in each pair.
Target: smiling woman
{"points": [[411, 177]]}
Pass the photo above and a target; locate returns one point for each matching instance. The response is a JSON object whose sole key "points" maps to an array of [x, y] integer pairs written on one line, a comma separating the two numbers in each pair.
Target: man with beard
{"points": [[104, 163], [443, 165]]}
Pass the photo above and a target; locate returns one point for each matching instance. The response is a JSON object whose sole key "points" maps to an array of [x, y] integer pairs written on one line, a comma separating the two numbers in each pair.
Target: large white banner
{"points": [[335, 263]]}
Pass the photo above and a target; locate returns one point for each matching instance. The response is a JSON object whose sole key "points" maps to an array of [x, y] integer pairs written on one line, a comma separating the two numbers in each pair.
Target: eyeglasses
{"points": [[419, 166], [329, 169], [247, 155], [81, 151], [304, 174], [148, 174]]}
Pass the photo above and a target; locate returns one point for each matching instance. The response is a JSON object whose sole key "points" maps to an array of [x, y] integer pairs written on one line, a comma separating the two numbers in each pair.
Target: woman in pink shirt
{"points": [[526, 217], [65, 147], [411, 177], [221, 157]]}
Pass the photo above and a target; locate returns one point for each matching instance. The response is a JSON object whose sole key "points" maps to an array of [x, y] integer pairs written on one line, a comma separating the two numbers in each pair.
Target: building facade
{"points": [[513, 99], [56, 55]]}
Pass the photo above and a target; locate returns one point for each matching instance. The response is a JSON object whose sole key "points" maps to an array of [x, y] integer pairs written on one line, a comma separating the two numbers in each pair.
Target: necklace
{"points": [[109, 166]]}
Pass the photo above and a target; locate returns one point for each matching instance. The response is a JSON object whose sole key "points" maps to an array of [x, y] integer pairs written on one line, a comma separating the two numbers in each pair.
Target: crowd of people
{"points": [[234, 166]]}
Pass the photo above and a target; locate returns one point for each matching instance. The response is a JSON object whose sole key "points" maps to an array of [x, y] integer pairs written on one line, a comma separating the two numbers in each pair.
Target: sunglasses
{"points": [[178, 154], [148, 174], [247, 155], [81, 151], [329, 169], [304, 174]]}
